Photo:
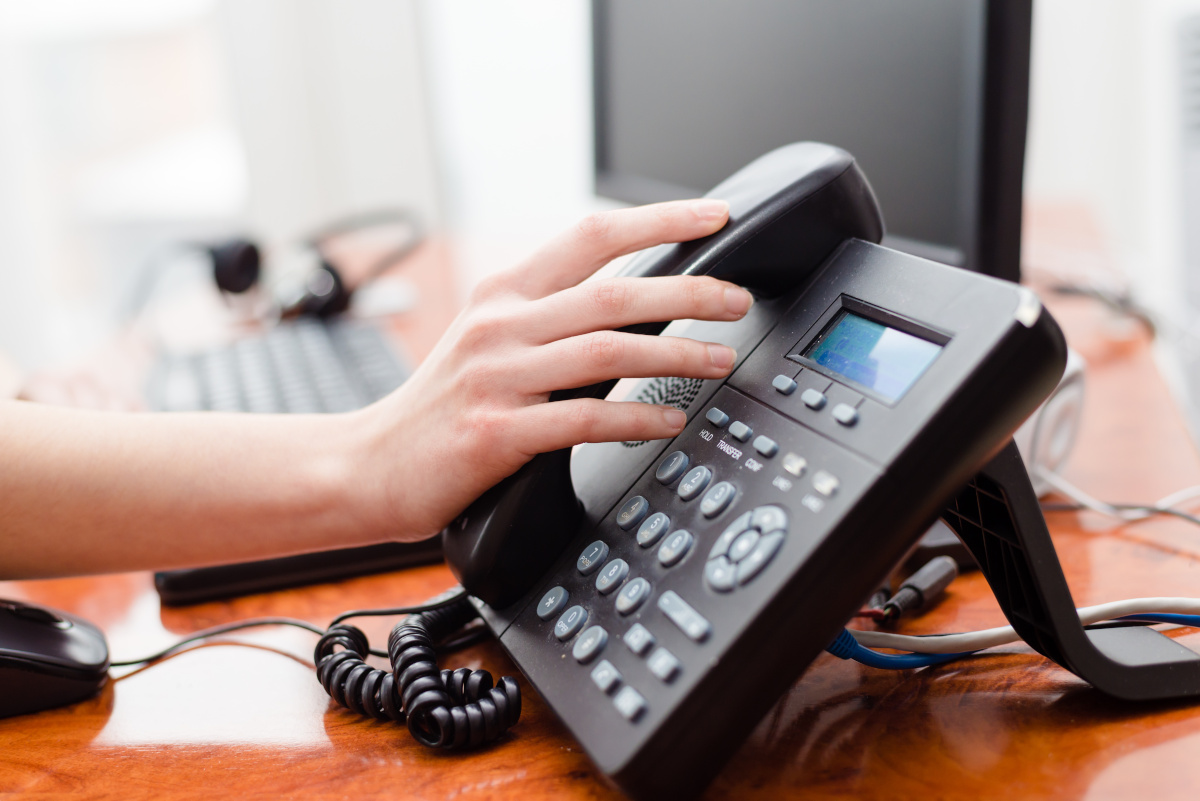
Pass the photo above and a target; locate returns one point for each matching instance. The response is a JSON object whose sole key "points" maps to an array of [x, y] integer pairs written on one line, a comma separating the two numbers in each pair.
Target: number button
{"points": [[632, 512], [694, 482], [717, 499], [611, 576], [592, 557], [633, 595], [552, 603], [675, 548], [652, 530], [672, 467], [570, 623]]}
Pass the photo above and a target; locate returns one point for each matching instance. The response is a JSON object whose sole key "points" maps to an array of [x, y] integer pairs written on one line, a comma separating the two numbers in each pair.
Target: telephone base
{"points": [[998, 517]]}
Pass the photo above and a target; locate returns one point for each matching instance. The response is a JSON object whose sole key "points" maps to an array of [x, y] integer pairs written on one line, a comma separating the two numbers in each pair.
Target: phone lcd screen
{"points": [[874, 355]]}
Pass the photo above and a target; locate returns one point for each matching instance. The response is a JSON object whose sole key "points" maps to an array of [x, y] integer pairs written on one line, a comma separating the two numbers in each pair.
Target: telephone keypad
{"points": [[664, 665], [633, 595], [570, 623], [717, 498], [652, 529], [611, 576], [694, 482], [681, 613], [590, 643], [632, 512], [672, 467], [592, 557], [552, 603], [639, 639], [606, 676], [671, 552]]}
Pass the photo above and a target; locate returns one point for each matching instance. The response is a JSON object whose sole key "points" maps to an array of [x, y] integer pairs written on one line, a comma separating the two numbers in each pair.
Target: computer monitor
{"points": [[931, 96]]}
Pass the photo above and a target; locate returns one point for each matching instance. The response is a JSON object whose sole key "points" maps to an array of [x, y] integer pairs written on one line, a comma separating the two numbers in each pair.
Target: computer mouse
{"points": [[47, 658]]}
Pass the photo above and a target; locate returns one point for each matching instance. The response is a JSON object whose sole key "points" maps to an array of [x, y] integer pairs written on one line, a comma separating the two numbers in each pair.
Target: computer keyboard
{"points": [[302, 366]]}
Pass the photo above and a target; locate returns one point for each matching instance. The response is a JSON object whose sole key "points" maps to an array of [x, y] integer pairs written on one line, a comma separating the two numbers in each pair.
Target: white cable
{"points": [[1083, 499], [990, 638]]}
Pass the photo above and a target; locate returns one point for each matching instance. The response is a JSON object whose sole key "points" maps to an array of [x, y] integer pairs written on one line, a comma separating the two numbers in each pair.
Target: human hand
{"points": [[476, 409]]}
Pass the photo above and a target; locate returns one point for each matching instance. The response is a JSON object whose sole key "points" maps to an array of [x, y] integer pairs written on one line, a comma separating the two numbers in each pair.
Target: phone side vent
{"points": [[668, 391]]}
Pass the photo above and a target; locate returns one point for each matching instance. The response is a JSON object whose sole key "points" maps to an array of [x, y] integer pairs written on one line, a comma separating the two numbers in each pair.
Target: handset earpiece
{"points": [[788, 211]]}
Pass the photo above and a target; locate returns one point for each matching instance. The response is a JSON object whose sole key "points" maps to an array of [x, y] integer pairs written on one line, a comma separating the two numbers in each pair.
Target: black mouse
{"points": [[47, 659]]}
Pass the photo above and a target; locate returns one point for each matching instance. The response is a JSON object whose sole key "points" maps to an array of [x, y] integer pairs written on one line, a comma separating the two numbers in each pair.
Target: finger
{"points": [[602, 237], [562, 424], [616, 302], [603, 355]]}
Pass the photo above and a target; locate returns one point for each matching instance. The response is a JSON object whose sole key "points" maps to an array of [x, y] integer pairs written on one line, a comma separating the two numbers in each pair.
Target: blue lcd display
{"points": [[873, 355]]}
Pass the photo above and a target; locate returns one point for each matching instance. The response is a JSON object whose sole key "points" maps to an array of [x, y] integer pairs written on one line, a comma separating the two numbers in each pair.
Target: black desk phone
{"points": [[661, 596]]}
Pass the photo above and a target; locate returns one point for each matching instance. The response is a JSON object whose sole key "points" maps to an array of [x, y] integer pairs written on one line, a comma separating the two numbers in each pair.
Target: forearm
{"points": [[93, 492]]}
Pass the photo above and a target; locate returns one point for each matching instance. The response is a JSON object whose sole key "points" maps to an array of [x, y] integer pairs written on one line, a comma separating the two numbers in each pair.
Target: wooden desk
{"points": [[231, 721]]}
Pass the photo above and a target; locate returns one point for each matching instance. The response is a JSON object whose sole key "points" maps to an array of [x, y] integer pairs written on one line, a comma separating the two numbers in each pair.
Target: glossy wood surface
{"points": [[225, 720]]}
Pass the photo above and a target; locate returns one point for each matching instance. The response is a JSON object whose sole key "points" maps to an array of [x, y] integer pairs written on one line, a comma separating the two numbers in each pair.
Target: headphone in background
{"points": [[323, 292]]}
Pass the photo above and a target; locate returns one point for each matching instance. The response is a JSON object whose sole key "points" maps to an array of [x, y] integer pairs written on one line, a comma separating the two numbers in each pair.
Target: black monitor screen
{"points": [[688, 91]]}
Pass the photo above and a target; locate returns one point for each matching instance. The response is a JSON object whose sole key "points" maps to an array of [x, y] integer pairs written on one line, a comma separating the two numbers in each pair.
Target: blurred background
{"points": [[130, 125]]}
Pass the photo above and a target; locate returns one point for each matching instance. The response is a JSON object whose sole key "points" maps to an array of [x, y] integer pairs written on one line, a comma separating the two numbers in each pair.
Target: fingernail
{"points": [[738, 300], [722, 357], [674, 418], [708, 209]]}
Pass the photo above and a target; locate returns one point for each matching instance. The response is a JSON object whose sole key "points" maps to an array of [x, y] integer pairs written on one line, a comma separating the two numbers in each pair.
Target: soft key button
{"points": [[845, 414], [611, 576], [783, 384], [717, 498], [694, 482], [552, 603], [672, 467], [813, 399], [592, 557], [632, 512], [652, 530], [679, 612]]}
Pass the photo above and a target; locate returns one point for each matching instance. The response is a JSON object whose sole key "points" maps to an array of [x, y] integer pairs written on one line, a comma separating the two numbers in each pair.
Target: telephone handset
{"points": [[788, 211], [660, 596]]}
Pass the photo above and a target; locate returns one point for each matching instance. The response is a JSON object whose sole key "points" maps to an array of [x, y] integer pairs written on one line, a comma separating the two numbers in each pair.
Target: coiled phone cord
{"points": [[443, 708]]}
